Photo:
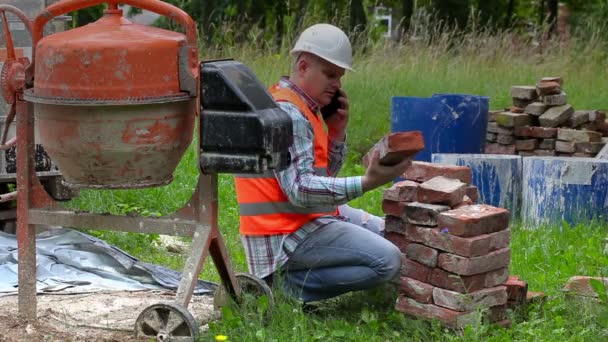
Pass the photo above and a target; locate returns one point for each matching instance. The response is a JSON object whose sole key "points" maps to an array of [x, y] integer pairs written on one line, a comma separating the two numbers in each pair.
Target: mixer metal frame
{"points": [[199, 218]]}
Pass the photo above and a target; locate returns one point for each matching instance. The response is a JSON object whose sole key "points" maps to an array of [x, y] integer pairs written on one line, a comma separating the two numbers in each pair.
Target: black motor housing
{"points": [[243, 130]]}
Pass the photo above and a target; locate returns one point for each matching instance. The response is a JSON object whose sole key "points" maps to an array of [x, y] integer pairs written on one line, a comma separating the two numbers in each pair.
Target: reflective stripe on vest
{"points": [[252, 209], [319, 171], [263, 207]]}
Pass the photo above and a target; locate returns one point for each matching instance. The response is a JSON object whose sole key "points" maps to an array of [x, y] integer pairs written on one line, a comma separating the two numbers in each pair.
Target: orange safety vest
{"points": [[263, 207]]}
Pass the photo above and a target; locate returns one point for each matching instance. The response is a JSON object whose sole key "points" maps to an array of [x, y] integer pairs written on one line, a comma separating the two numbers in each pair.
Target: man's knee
{"points": [[392, 264]]}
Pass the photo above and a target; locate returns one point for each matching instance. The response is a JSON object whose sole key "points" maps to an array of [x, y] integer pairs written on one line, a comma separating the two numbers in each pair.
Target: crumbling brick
{"points": [[578, 135], [589, 147], [556, 100], [473, 193], [475, 265], [517, 290], [535, 108], [467, 247], [415, 270], [491, 137], [509, 119], [396, 147], [556, 116], [547, 144], [474, 220], [524, 92], [394, 224], [579, 117], [581, 286], [404, 191], [505, 139], [471, 301], [499, 149], [493, 127], [417, 290], [422, 254], [423, 214], [535, 132], [398, 240], [394, 208], [442, 190], [465, 284], [565, 146], [423, 171], [548, 88], [526, 145]]}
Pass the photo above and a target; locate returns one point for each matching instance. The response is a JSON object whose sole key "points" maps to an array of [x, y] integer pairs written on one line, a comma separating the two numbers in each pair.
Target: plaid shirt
{"points": [[266, 254]]}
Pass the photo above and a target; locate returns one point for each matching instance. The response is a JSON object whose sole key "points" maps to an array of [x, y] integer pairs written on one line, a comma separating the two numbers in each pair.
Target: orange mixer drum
{"points": [[115, 101]]}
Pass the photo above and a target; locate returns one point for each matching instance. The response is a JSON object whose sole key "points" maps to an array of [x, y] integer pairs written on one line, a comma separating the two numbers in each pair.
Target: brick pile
{"points": [[455, 253], [542, 123]]}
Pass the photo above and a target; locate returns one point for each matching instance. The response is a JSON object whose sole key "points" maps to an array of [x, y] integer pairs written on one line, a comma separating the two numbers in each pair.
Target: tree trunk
{"points": [[358, 21], [541, 12], [280, 9], [206, 19], [300, 14], [553, 16], [408, 10], [509, 16]]}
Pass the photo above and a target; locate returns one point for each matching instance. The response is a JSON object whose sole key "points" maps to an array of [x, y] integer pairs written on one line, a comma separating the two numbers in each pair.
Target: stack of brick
{"points": [[542, 123], [455, 253]]}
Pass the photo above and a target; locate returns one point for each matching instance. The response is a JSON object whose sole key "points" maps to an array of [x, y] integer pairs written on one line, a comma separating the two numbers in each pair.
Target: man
{"points": [[295, 223]]}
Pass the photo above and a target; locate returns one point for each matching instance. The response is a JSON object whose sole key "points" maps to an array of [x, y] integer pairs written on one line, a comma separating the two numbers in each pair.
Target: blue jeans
{"points": [[341, 257]]}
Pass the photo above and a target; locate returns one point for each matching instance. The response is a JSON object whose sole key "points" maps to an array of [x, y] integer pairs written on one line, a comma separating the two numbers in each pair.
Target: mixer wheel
{"points": [[166, 322]]}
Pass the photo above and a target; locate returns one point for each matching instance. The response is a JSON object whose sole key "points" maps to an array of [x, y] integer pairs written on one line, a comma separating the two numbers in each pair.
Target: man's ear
{"points": [[302, 65]]}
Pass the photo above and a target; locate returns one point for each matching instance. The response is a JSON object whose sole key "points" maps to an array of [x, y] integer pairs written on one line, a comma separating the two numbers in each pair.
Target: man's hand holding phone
{"points": [[336, 119]]}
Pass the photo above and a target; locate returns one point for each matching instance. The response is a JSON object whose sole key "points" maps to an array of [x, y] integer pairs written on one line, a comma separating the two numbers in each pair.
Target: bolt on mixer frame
{"points": [[199, 218]]}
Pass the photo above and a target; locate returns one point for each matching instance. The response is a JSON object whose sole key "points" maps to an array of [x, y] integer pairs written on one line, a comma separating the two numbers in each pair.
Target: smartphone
{"points": [[332, 107]]}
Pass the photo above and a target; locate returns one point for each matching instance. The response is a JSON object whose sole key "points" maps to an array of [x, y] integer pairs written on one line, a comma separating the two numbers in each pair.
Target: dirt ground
{"points": [[105, 316]]}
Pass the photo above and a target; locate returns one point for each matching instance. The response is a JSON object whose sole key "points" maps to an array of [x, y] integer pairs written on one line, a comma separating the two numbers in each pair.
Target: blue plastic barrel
{"points": [[564, 188], [497, 177], [451, 123]]}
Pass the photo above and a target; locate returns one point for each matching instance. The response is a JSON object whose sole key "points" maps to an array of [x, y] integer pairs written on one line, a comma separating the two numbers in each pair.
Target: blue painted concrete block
{"points": [[563, 188]]}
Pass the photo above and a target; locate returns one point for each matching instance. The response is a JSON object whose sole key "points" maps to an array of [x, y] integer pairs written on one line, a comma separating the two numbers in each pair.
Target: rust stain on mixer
{"points": [[114, 99]]}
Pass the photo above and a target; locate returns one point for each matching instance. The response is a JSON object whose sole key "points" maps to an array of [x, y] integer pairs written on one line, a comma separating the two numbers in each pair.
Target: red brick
{"points": [[515, 109], [548, 88], [466, 201], [396, 147], [467, 247], [471, 301], [423, 214], [417, 290], [474, 220], [473, 193], [536, 132], [442, 190], [398, 240], [565, 146], [499, 149], [393, 208], [517, 290], [544, 153], [422, 254], [552, 79], [534, 297], [412, 269], [475, 265], [581, 286], [526, 145], [423, 171], [466, 284], [449, 318], [404, 191], [394, 224]]}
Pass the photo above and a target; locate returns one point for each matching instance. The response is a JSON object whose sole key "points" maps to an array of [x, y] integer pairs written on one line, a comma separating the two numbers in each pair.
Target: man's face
{"points": [[321, 79]]}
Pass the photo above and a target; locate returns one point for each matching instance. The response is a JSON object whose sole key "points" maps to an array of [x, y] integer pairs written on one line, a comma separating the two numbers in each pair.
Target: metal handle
{"points": [[156, 6]]}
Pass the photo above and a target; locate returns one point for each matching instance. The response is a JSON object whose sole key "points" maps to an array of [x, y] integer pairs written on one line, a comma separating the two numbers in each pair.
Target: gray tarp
{"points": [[71, 262]]}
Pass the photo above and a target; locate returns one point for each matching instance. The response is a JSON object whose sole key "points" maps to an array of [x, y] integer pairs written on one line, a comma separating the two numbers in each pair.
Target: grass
{"points": [[488, 66]]}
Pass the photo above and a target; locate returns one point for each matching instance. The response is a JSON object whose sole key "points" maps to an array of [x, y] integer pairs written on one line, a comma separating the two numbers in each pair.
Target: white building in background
{"points": [[146, 17]]}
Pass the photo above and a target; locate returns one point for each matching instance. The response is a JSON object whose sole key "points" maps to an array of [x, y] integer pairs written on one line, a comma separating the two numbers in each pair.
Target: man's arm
{"points": [[299, 182]]}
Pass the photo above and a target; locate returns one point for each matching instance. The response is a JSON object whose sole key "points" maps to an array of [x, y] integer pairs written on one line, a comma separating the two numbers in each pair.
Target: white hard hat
{"points": [[327, 42]]}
